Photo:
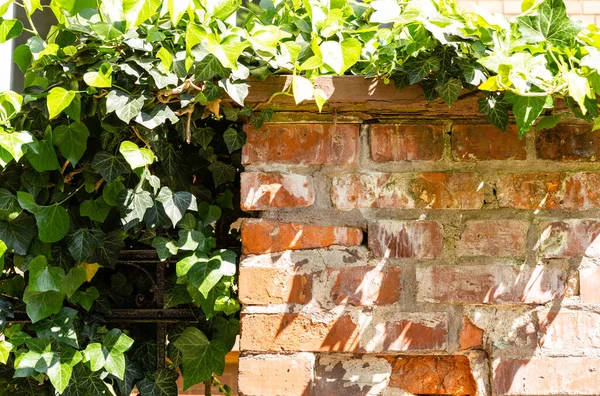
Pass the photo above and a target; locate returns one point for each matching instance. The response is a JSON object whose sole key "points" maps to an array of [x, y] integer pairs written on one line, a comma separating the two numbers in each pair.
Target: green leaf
{"points": [[420, 68], [222, 172], [340, 56], [111, 191], [43, 278], [52, 221], [133, 373], [496, 110], [548, 122], [551, 23], [86, 298], [133, 207], [225, 330], [109, 166], [136, 157], [227, 305], [209, 67], [227, 261], [204, 275], [579, 88], [22, 57], [71, 140], [40, 305], [234, 139], [5, 349], [526, 110], [302, 88], [221, 9], [73, 280], [58, 100], [123, 105], [115, 345], [3, 249], [31, 6], [4, 6], [9, 29], [87, 383], [191, 240], [159, 115], [14, 142], [450, 91], [61, 368], [164, 248], [10, 105], [59, 327], [165, 58], [83, 241], [201, 357], [161, 383], [236, 91], [41, 154], [139, 11], [96, 210], [17, 234], [176, 204], [101, 78]]}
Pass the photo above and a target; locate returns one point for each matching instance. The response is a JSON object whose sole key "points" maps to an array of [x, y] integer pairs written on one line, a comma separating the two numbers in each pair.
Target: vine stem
{"points": [[70, 195]]}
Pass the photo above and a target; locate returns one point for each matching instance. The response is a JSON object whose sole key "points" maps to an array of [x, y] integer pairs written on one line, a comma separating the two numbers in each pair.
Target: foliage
{"points": [[122, 139]]}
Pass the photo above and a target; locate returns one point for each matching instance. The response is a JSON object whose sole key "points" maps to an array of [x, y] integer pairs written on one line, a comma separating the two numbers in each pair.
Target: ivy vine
{"points": [[121, 140]]}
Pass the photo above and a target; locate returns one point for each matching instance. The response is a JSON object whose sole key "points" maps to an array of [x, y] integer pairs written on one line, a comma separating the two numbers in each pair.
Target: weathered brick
{"points": [[470, 335], [433, 375], [490, 284], [408, 191], [298, 333], [406, 239], [589, 285], [486, 142], [301, 143], [422, 331], [268, 236], [500, 238], [414, 142], [351, 375], [568, 142], [261, 191], [569, 330], [547, 376], [531, 191], [281, 375], [570, 238], [362, 286], [263, 286]]}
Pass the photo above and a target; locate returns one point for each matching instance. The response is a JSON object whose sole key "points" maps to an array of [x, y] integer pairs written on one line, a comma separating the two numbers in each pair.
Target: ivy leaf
{"points": [[133, 373], [419, 68], [43, 278], [9, 29], [71, 140], [83, 241], [176, 294], [159, 115], [101, 78], [209, 67], [13, 142], [302, 88], [111, 191], [52, 221], [73, 280], [115, 344], [86, 298], [126, 109], [107, 254], [550, 24], [222, 172], [137, 12], [96, 210], [136, 157], [227, 261], [109, 166], [176, 204], [227, 305], [526, 110], [201, 357], [496, 110], [41, 154], [58, 100], [548, 122], [204, 275], [579, 88], [22, 57], [133, 206], [191, 240], [233, 139], [164, 248], [225, 330], [161, 383], [86, 382], [5, 349], [236, 91], [17, 234], [59, 327], [61, 368], [450, 91], [40, 305]]}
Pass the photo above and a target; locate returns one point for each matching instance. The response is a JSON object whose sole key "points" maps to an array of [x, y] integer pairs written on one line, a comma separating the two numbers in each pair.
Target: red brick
{"points": [[408, 191], [298, 333], [426, 331], [490, 284], [569, 330], [261, 191], [500, 238], [406, 239], [568, 142], [547, 376], [391, 142], [433, 375], [355, 375], [486, 142], [268, 236], [589, 285], [531, 191], [570, 238], [470, 335], [301, 143], [263, 286], [282, 375], [362, 286]]}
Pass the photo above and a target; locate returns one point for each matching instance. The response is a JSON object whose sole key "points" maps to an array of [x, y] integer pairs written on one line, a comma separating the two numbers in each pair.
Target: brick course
{"points": [[421, 252]]}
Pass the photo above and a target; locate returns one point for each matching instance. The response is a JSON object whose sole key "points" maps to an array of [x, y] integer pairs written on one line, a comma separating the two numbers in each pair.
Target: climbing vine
{"points": [[121, 139]]}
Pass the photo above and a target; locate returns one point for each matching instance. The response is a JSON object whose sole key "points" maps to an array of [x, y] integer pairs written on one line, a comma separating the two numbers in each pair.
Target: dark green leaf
{"points": [[59, 327], [222, 172], [109, 166], [233, 139], [40, 305], [83, 241], [71, 140], [161, 383], [18, 233]]}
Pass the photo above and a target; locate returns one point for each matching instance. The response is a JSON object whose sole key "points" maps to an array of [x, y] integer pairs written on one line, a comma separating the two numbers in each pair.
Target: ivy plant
{"points": [[121, 139]]}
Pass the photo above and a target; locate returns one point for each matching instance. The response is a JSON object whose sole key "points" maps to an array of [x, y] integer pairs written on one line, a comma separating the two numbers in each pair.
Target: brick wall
{"points": [[401, 247], [587, 11]]}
